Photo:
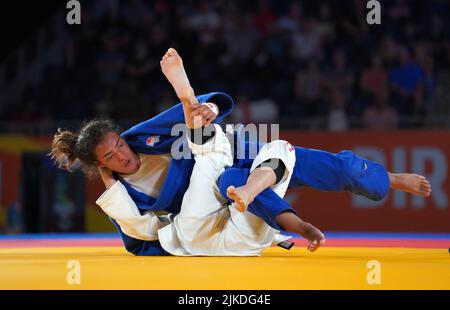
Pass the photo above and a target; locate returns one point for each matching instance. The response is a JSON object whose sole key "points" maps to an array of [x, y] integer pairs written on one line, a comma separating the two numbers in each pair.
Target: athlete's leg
{"points": [[267, 205], [172, 67], [411, 183], [325, 171], [201, 223], [346, 171], [261, 178], [271, 169]]}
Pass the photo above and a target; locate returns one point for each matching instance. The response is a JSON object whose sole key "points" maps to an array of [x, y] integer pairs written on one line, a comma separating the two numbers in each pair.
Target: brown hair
{"points": [[69, 146]]}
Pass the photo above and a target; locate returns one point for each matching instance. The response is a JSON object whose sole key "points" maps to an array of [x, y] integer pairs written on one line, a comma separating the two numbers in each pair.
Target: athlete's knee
{"points": [[380, 181], [363, 177], [351, 170], [351, 165], [278, 167]]}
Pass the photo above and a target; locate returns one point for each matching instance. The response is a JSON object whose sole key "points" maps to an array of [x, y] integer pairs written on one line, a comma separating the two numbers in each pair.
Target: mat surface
{"points": [[100, 262]]}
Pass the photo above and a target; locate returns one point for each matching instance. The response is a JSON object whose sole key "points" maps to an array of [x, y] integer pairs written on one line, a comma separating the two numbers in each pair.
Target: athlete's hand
{"points": [[107, 177], [207, 112]]}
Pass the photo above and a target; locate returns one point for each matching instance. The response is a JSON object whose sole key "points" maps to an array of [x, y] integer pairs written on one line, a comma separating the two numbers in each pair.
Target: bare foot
{"points": [[411, 183], [241, 197], [314, 236], [173, 69]]}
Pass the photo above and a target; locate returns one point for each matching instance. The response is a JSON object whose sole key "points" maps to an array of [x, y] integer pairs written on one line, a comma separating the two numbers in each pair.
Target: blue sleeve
{"points": [[141, 247], [162, 123], [154, 136], [223, 101]]}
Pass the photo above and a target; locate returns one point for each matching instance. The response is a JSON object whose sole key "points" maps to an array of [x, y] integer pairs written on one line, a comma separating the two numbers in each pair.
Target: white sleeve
{"points": [[218, 144], [213, 107], [117, 203], [283, 151]]}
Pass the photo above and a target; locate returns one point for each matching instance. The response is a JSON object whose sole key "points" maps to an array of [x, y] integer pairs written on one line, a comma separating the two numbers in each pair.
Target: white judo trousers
{"points": [[206, 224]]}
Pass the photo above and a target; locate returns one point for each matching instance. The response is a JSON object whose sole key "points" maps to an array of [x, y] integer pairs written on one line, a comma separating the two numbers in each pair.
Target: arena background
{"points": [[317, 68]]}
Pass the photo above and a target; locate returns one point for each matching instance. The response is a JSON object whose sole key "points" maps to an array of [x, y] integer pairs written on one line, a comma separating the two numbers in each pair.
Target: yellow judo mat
{"points": [[329, 268]]}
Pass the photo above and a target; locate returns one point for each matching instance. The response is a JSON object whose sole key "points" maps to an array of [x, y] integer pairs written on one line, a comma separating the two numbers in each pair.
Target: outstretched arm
{"points": [[117, 203]]}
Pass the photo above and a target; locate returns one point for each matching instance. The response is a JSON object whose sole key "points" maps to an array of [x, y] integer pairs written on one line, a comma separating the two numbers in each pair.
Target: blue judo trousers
{"points": [[324, 171], [321, 170]]}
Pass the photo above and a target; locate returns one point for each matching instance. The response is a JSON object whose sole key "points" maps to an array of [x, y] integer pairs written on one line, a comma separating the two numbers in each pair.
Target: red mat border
{"points": [[334, 242]]}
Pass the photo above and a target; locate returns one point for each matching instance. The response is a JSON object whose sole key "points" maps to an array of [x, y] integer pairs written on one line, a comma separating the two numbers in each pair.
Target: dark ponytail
{"points": [[63, 149]]}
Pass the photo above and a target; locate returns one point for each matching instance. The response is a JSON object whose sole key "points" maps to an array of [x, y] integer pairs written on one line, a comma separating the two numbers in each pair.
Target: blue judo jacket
{"points": [[154, 137]]}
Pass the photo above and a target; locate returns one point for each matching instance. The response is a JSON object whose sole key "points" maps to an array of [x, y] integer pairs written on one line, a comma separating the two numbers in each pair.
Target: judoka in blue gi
{"points": [[148, 177]]}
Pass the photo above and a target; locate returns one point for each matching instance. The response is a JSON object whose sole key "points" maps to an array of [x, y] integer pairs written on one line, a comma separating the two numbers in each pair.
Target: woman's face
{"points": [[115, 154]]}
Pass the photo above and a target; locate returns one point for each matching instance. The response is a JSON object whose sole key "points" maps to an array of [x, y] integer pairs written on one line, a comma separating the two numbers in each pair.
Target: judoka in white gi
{"points": [[207, 224]]}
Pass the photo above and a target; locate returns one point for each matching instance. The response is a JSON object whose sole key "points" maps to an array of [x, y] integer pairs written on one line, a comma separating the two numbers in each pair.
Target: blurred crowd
{"points": [[304, 64]]}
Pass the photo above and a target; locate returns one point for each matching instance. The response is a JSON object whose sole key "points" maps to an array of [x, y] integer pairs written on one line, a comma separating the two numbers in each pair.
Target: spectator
{"points": [[339, 77], [104, 107], [337, 116], [264, 111], [307, 42], [264, 17], [110, 63], [141, 65], [407, 83], [307, 90], [132, 104], [375, 78], [302, 56], [379, 115]]}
